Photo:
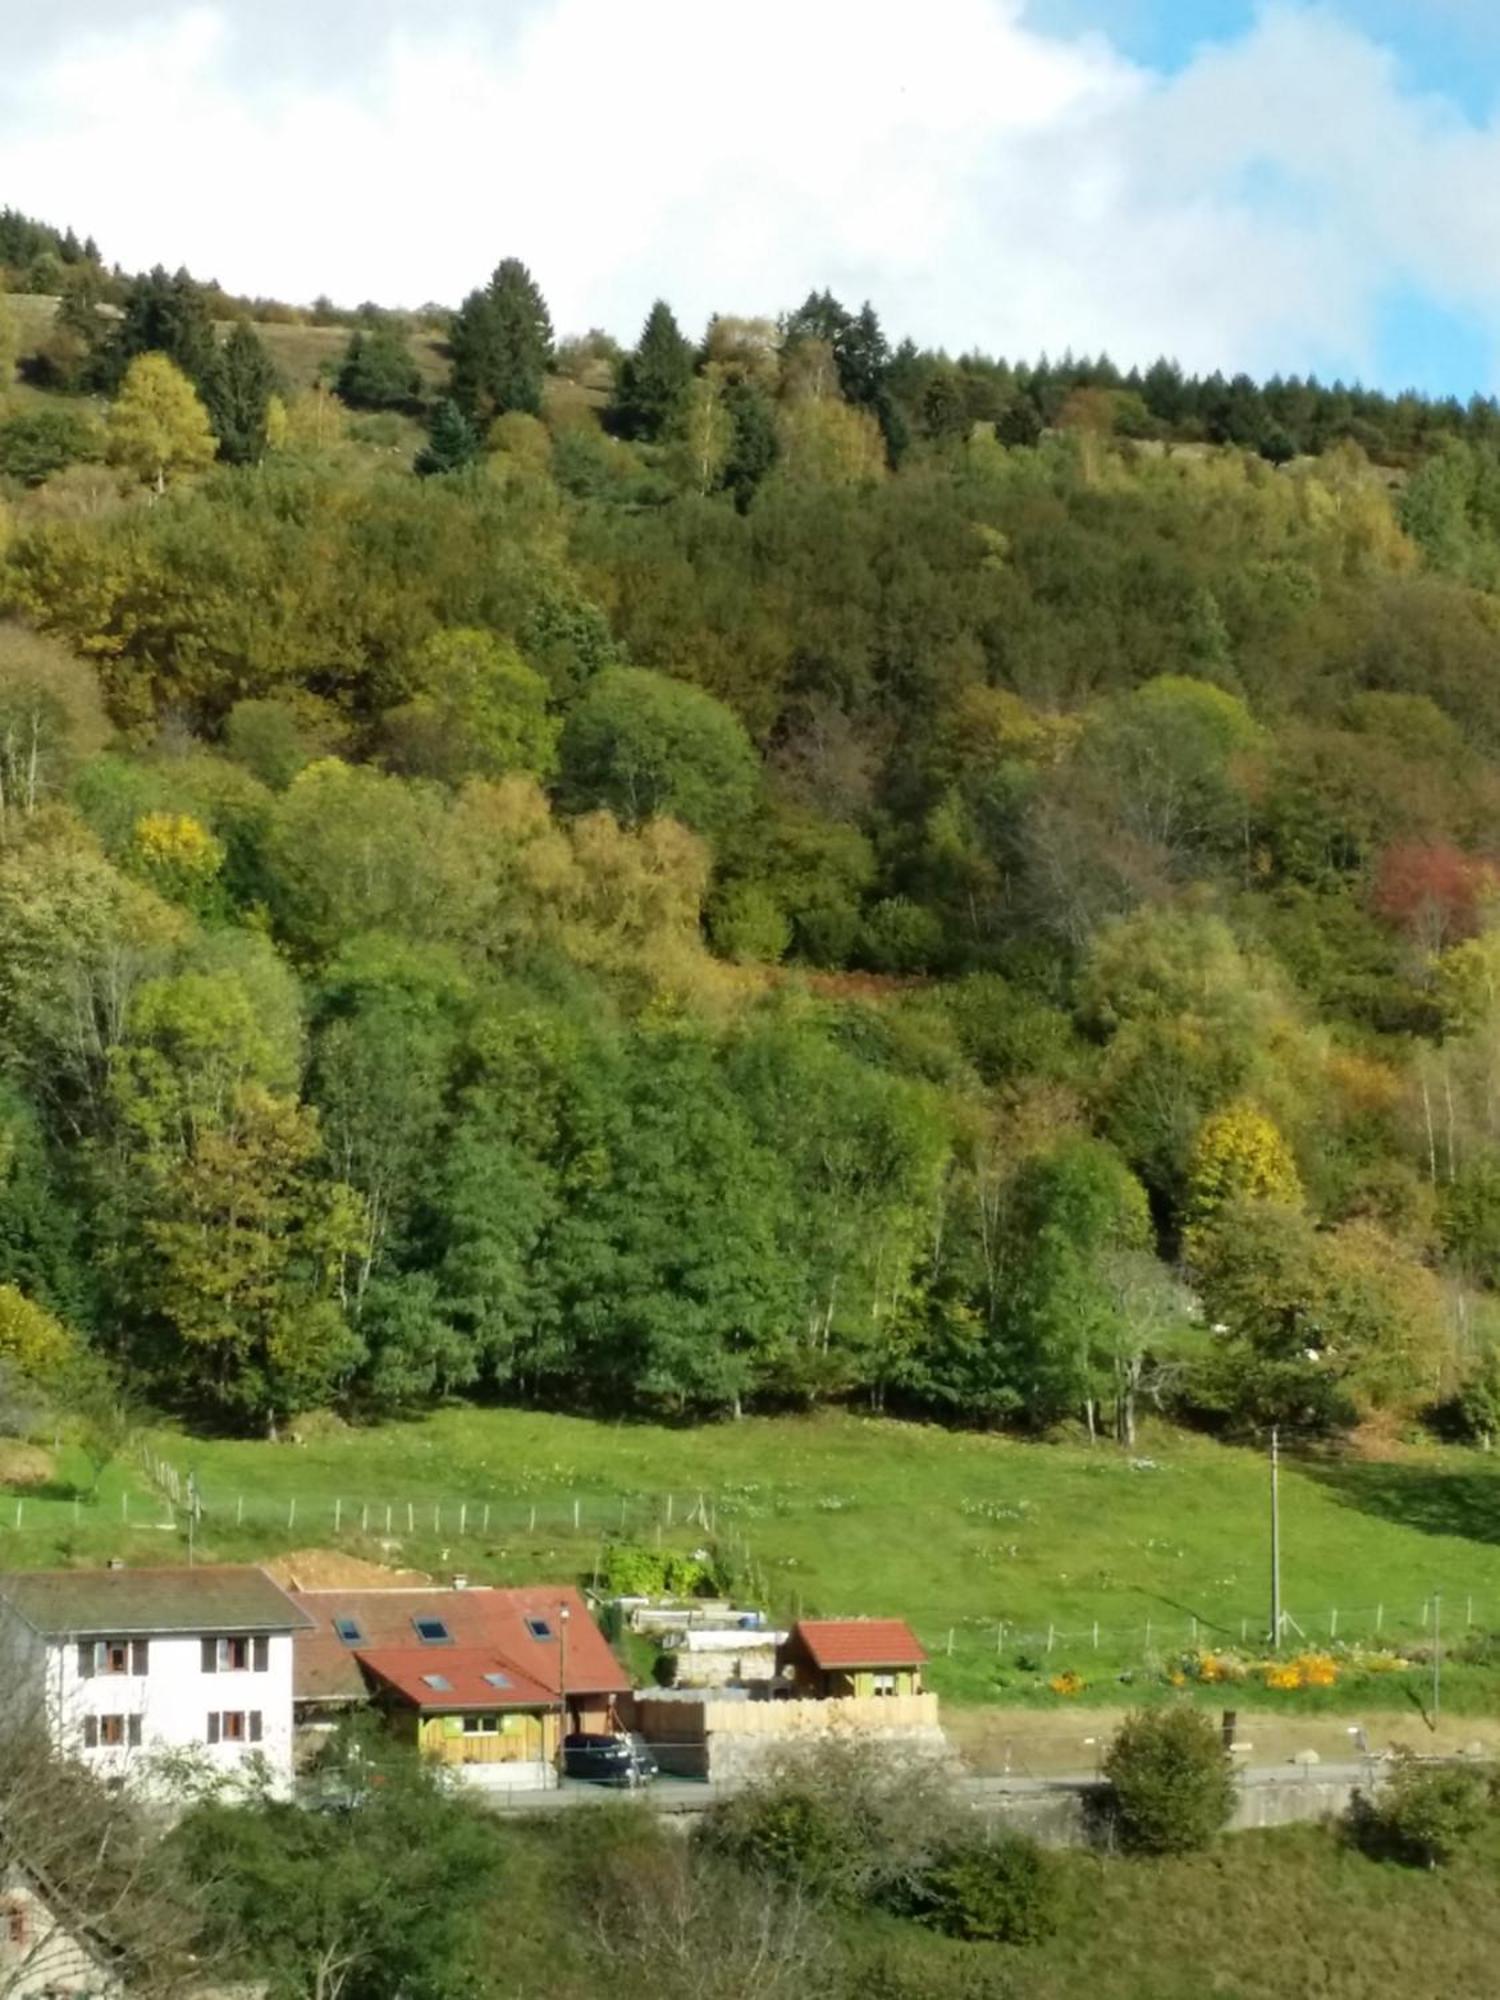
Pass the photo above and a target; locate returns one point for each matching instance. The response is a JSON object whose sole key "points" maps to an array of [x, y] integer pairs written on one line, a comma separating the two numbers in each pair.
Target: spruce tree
{"points": [[452, 442], [162, 315], [238, 392], [653, 382], [501, 344]]}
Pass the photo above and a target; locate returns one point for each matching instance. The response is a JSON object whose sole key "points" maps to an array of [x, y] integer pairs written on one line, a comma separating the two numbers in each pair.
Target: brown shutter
{"points": [[135, 1732], [262, 1654], [140, 1656], [255, 1725], [213, 1722], [91, 1732], [210, 1656], [86, 1659]]}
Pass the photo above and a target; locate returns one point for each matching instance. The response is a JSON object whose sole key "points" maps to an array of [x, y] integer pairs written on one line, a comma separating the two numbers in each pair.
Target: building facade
{"points": [[131, 1669]]}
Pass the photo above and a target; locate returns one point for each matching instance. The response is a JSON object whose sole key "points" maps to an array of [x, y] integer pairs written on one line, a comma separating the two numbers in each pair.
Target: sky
{"points": [[1266, 185]]}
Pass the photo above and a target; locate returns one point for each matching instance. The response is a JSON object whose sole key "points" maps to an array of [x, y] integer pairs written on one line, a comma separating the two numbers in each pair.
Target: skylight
{"points": [[432, 1631], [348, 1630], [498, 1680], [439, 1683], [538, 1628]]}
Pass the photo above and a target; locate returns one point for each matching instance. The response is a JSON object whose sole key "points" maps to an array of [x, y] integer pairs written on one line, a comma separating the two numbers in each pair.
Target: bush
{"points": [[1173, 1788], [1426, 1816], [843, 1823], [1002, 1891], [39, 442], [629, 1569]]}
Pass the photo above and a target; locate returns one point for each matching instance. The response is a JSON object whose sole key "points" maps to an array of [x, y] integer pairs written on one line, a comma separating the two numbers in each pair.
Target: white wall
{"points": [[173, 1699], [46, 1963]]}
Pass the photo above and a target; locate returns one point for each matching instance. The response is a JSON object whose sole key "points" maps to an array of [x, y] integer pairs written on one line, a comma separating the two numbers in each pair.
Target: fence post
{"points": [[19, 1505], [291, 1512], [1468, 1612], [239, 1511], [1148, 1635], [388, 1517], [437, 1518], [1244, 1630], [125, 1505], [364, 1517], [411, 1518], [950, 1642], [532, 1527], [1051, 1636], [576, 1507], [338, 1516], [1424, 1614], [463, 1517], [1096, 1635], [1000, 1637], [669, 1510], [1379, 1619], [1333, 1624], [1195, 1632]]}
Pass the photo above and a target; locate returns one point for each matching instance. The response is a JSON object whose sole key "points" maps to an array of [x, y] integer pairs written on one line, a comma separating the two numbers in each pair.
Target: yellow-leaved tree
{"points": [[32, 1341], [1239, 1154], [157, 426]]}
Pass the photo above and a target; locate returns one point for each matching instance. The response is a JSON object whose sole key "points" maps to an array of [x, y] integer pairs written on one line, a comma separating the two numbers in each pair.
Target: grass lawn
{"points": [[986, 1544]]}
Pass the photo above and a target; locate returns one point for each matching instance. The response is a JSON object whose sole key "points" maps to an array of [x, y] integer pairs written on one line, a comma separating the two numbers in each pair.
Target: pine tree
{"points": [[238, 392], [653, 382], [452, 442], [501, 344], [162, 315]]}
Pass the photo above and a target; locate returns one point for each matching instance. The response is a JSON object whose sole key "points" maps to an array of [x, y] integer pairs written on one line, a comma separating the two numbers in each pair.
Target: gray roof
{"points": [[121, 1603]]}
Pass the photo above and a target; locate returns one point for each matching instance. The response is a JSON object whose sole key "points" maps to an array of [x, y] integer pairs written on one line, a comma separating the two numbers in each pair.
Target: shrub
{"points": [[843, 1822], [1002, 1891], [1173, 1789], [1427, 1815]]}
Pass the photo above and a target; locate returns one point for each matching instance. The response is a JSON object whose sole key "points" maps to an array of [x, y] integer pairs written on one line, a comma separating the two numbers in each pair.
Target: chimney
{"points": [[460, 1581]]}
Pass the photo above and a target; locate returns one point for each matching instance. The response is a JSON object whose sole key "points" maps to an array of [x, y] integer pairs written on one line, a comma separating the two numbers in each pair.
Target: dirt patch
{"points": [[330, 1569], [24, 1464], [1039, 1743]]}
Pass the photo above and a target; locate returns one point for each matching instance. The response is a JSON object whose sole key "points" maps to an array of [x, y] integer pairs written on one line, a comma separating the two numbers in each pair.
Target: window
{"points": [[16, 1931], [112, 1731], [432, 1631], [498, 1680], [111, 1656], [481, 1725], [348, 1630], [234, 1725], [538, 1628], [439, 1683], [234, 1656], [882, 1683]]}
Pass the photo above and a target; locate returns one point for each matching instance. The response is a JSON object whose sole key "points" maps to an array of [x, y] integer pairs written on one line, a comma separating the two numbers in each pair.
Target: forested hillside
{"points": [[756, 871]]}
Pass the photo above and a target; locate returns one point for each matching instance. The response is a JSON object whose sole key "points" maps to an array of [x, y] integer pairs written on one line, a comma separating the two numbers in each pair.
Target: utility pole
{"points": [[1437, 1656], [1275, 1536]]}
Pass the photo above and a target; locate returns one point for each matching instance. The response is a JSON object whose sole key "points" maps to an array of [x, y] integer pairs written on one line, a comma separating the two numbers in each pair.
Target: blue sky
{"points": [[1289, 186]]}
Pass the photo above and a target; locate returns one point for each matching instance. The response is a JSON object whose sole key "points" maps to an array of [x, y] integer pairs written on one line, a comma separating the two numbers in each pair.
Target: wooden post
{"points": [[532, 1522], [338, 1516], [1148, 1635], [575, 1513], [125, 1505], [411, 1518], [1000, 1637], [1333, 1624], [388, 1517], [1051, 1636], [463, 1517], [364, 1517], [486, 1517], [1096, 1635], [669, 1510], [291, 1512], [239, 1511], [1379, 1619], [1195, 1631], [950, 1642]]}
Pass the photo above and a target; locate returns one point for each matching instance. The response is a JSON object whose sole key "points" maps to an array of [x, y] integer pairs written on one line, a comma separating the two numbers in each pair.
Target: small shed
{"points": [[832, 1659]]}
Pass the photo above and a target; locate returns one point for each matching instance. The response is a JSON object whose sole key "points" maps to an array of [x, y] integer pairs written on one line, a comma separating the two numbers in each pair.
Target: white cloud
{"points": [[985, 182]]}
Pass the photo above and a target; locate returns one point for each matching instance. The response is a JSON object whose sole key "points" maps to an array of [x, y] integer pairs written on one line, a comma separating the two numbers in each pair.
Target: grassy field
{"points": [[1015, 1562]]}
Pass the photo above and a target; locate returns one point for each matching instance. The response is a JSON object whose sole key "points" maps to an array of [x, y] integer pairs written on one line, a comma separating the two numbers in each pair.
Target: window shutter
{"points": [[213, 1722], [85, 1659], [262, 1654], [140, 1656], [91, 1732], [210, 1656], [135, 1732], [255, 1725]]}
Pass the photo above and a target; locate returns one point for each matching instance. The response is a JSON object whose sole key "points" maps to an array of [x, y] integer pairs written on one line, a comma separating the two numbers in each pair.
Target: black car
{"points": [[608, 1760]]}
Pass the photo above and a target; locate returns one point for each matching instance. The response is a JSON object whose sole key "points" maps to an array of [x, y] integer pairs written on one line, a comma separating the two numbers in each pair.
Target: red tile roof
{"points": [[410, 1671], [479, 1619], [835, 1644]]}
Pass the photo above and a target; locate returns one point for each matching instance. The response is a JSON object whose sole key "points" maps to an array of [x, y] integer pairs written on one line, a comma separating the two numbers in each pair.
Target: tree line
{"points": [[728, 896]]}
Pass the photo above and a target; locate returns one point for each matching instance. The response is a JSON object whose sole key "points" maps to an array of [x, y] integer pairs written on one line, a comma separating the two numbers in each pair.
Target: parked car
{"points": [[608, 1760]]}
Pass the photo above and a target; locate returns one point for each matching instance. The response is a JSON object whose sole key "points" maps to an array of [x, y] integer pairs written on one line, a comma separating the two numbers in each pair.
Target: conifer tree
{"points": [[452, 442], [653, 382], [162, 315], [238, 392], [378, 372], [501, 344]]}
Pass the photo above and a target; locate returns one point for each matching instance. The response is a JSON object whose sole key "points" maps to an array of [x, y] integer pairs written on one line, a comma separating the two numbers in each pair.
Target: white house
{"points": [[42, 1956], [124, 1665]]}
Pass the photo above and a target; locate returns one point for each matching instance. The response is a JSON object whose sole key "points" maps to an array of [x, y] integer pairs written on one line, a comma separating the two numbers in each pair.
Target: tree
{"points": [[1240, 1153], [10, 347], [476, 709], [379, 371], [642, 743], [156, 426], [501, 344], [166, 316], [36, 443], [654, 380], [1169, 1774], [237, 391], [386, 1898], [452, 442]]}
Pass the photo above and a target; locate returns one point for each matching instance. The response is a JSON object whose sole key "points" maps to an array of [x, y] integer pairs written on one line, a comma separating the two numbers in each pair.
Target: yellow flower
{"points": [[1067, 1683]]}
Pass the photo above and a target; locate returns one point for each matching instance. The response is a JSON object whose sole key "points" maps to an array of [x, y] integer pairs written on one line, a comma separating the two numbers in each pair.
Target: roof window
{"points": [[348, 1630], [439, 1683], [497, 1680], [432, 1631], [538, 1628]]}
